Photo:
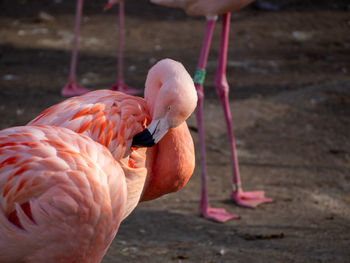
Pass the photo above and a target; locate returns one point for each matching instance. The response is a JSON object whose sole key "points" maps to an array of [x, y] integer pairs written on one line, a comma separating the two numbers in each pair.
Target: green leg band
{"points": [[199, 76]]}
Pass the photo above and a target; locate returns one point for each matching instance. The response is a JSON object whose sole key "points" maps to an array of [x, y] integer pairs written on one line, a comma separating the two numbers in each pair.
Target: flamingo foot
{"points": [[250, 199], [73, 89], [219, 215], [124, 88]]}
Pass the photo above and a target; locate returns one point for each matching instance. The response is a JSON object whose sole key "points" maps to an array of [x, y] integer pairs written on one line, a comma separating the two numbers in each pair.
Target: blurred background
{"points": [[289, 75]]}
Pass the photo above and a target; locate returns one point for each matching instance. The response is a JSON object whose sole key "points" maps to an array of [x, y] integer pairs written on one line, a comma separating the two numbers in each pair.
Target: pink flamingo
{"points": [[63, 194], [72, 88], [211, 8]]}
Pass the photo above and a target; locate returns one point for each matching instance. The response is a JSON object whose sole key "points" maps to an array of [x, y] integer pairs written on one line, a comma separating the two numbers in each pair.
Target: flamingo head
{"points": [[175, 102], [171, 98]]}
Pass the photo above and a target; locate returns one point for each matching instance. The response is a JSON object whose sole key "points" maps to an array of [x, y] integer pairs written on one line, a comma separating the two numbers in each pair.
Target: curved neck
{"points": [[170, 163], [152, 88], [162, 72]]}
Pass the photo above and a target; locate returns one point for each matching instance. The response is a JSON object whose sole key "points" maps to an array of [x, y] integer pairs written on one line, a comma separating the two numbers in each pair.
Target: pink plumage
{"points": [[64, 192], [108, 117]]}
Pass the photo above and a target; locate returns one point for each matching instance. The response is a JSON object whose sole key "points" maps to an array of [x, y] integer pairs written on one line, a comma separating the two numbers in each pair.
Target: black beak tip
{"points": [[143, 139]]}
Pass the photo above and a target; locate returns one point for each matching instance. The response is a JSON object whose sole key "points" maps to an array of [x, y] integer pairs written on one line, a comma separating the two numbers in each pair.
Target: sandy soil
{"points": [[290, 101]]}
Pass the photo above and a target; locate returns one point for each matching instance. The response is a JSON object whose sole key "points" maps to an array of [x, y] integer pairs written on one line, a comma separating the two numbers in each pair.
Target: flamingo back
{"points": [[62, 196], [111, 118]]}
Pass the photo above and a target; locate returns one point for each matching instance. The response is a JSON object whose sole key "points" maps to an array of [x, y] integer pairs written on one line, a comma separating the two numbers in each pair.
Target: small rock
{"points": [[152, 61], [21, 32], [19, 112], [313, 101], [65, 34], [132, 68], [302, 35], [9, 77], [85, 81], [122, 242], [93, 41], [35, 31], [44, 17]]}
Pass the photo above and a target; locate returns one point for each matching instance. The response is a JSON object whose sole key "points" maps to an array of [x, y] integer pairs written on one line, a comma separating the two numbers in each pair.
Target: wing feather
{"points": [[57, 187], [108, 117]]}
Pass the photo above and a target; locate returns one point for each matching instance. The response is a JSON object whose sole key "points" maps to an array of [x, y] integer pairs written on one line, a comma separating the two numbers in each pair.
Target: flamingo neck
{"points": [[151, 95], [152, 88], [170, 163]]}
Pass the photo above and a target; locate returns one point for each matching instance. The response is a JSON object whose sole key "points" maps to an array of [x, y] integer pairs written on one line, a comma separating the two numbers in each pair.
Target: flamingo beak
{"points": [[143, 139], [152, 134]]}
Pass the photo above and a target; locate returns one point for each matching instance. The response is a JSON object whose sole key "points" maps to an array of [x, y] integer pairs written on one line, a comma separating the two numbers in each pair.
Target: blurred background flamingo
{"points": [[211, 9], [72, 87]]}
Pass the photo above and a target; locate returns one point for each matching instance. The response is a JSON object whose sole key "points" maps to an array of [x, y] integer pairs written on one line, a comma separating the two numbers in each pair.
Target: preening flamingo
{"points": [[63, 193], [211, 9], [72, 88]]}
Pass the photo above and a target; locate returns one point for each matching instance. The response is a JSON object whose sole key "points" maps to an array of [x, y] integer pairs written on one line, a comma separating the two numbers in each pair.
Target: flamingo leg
{"points": [[72, 88], [215, 214], [245, 199], [119, 84]]}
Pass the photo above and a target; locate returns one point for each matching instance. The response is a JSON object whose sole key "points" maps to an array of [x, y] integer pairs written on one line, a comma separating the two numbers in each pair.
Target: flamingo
{"points": [[63, 194], [211, 9], [72, 88]]}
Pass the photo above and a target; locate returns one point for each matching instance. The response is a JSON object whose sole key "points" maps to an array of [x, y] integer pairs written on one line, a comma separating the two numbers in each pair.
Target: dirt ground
{"points": [[289, 73]]}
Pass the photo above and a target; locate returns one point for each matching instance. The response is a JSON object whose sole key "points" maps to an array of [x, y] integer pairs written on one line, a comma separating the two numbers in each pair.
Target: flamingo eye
{"points": [[169, 108]]}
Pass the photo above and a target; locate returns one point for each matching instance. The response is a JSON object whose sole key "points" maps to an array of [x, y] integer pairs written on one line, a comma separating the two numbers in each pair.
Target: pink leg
{"points": [[215, 214], [245, 199], [120, 85], [72, 88]]}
